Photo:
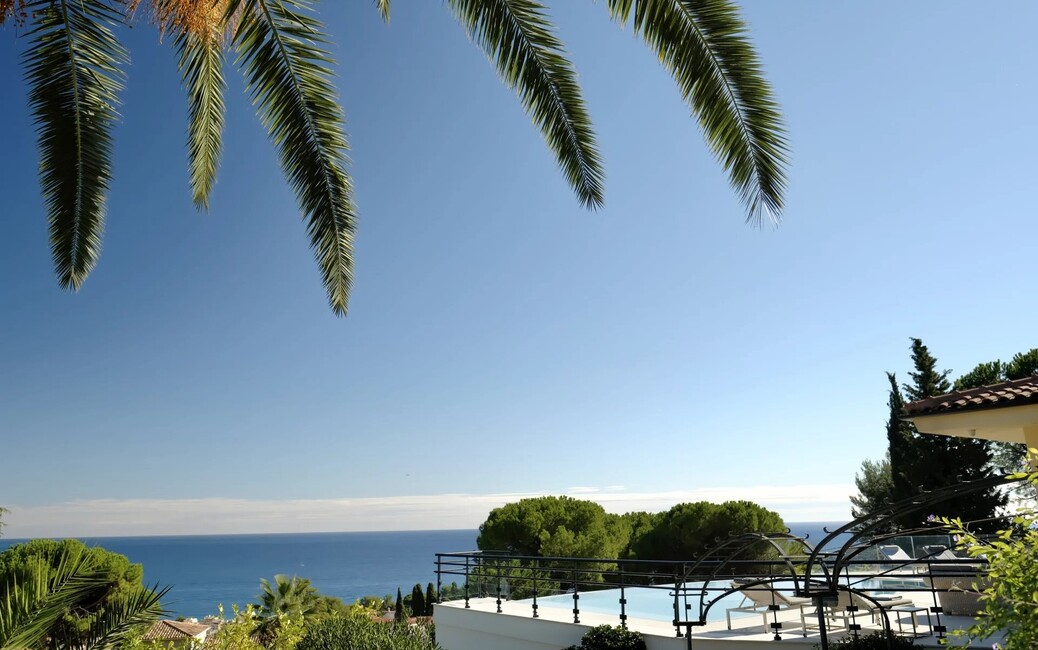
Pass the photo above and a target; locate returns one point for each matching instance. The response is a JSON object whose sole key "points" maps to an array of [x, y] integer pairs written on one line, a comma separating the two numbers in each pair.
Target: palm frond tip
{"points": [[518, 37], [280, 49], [73, 67], [703, 44]]}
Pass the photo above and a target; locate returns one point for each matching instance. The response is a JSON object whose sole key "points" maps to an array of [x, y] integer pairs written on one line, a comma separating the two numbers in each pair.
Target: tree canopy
{"points": [[923, 462], [688, 529], [552, 527], [567, 527], [75, 68], [62, 595]]}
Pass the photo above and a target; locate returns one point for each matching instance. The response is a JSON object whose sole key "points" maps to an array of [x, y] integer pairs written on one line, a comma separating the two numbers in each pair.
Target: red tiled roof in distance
{"points": [[1018, 392], [174, 630]]}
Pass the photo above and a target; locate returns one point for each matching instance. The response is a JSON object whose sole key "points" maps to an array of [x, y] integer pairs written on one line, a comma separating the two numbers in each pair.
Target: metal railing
{"points": [[694, 587]]}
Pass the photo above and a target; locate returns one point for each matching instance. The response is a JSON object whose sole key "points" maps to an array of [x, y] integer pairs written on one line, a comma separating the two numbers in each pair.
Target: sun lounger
{"points": [[954, 584], [894, 553], [839, 612], [766, 599]]}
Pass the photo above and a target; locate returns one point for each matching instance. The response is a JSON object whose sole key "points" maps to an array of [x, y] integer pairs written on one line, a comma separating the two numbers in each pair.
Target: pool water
{"points": [[653, 603]]}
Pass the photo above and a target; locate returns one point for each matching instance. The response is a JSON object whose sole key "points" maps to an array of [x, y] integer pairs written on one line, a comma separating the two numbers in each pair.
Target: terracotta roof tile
{"points": [[173, 630], [1010, 393]]}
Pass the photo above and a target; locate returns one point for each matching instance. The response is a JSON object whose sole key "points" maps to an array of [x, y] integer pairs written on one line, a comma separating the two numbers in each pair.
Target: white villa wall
{"points": [[472, 629], [481, 628]]}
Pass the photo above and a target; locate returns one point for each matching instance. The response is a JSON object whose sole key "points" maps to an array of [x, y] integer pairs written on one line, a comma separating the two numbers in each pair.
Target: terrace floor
{"points": [[514, 628]]}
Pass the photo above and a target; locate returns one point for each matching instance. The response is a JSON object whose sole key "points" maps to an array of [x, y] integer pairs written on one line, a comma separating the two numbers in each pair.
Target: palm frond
{"points": [[34, 603], [383, 9], [704, 45], [280, 48], [201, 60], [72, 65], [518, 37], [120, 618]]}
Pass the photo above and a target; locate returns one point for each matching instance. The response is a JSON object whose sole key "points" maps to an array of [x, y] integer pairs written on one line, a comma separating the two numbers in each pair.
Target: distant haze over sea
{"points": [[207, 570]]}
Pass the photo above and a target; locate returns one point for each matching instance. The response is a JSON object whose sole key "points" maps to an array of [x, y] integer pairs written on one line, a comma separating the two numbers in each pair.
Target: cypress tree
{"points": [[417, 600], [900, 444], [430, 599], [926, 462], [398, 613]]}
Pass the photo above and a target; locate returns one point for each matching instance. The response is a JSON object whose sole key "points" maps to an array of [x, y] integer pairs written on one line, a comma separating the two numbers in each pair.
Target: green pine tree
{"points": [[398, 613], [927, 462], [901, 442]]}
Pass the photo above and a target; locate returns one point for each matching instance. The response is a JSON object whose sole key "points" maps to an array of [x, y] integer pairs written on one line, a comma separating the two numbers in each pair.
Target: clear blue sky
{"points": [[501, 339]]}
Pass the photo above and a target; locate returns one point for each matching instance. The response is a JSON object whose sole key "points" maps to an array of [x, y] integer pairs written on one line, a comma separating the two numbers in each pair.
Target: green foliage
{"points": [[74, 62], [1006, 457], [248, 631], [919, 461], [1023, 364], [607, 637], [551, 527], [116, 578], [329, 607], [639, 524], [703, 45], [874, 641], [292, 596], [430, 599], [68, 600], [899, 448], [875, 485], [450, 592], [283, 52], [73, 65], [418, 601], [200, 58], [518, 38], [1010, 594], [688, 529], [364, 634], [399, 612]]}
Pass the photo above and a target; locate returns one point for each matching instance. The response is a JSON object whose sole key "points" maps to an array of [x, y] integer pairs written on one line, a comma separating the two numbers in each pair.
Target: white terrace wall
{"points": [[470, 629]]}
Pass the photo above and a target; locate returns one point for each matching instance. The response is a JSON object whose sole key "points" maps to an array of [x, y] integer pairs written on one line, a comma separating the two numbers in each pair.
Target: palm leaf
{"points": [[383, 9], [34, 603], [201, 60], [281, 51], [72, 65], [517, 36], [704, 45], [120, 618]]}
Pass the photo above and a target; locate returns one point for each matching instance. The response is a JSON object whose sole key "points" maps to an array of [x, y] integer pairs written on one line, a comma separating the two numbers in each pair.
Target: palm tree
{"points": [[287, 596], [35, 603], [74, 66]]}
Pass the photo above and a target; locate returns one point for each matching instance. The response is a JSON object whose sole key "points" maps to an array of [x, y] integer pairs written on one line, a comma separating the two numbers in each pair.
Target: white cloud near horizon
{"points": [[217, 515]]}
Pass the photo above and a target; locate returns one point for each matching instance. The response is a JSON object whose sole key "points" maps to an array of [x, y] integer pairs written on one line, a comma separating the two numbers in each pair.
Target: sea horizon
{"points": [[208, 570], [8, 541]]}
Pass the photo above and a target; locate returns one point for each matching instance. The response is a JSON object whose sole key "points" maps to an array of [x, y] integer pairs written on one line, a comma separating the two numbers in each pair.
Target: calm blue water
{"points": [[642, 602], [208, 570]]}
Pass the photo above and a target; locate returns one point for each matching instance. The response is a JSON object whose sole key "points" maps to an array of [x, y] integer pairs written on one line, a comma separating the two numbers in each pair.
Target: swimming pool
{"points": [[643, 602]]}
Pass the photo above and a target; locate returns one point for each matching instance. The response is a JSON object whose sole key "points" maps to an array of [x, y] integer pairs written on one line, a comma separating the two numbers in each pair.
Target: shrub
{"points": [[606, 637], [874, 641], [1010, 591], [358, 633]]}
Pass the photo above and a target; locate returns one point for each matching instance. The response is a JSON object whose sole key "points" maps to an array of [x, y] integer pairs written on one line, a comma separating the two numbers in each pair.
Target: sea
{"points": [[205, 571]]}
